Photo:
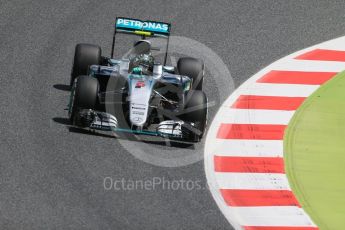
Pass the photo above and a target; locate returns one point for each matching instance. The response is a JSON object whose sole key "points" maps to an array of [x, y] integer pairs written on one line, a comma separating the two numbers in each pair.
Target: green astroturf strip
{"points": [[314, 152]]}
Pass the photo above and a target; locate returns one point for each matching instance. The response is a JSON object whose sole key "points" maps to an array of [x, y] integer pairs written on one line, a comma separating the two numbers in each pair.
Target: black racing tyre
{"points": [[193, 68], [83, 95], [195, 111], [84, 56]]}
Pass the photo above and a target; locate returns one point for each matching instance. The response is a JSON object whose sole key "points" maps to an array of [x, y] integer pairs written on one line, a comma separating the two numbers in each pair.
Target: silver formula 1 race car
{"points": [[136, 94]]}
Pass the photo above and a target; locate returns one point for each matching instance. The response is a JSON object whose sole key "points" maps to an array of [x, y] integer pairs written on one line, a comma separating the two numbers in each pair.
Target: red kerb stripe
{"points": [[251, 131], [296, 77], [323, 55], [249, 164], [267, 102], [238, 197]]}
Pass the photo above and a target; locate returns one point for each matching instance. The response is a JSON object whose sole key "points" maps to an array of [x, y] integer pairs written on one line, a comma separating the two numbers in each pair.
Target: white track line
{"points": [[335, 44]]}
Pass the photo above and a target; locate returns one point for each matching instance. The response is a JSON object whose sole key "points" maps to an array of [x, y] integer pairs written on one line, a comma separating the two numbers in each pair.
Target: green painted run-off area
{"points": [[314, 152]]}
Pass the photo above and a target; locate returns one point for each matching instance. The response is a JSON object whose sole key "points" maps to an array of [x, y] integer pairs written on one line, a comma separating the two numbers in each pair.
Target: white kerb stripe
{"points": [[256, 181], [253, 116], [291, 216], [247, 148], [309, 66], [279, 90]]}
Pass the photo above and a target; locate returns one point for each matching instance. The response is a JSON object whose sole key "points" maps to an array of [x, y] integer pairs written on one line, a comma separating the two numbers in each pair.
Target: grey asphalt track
{"points": [[52, 177]]}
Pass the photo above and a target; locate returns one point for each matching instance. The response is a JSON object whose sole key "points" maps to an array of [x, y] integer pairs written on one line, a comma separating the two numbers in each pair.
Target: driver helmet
{"points": [[141, 64]]}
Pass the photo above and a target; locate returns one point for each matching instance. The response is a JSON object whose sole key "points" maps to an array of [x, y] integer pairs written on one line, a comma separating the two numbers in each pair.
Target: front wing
{"points": [[96, 120]]}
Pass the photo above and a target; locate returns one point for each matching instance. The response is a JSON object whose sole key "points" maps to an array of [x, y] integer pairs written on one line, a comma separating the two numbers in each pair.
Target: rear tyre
{"points": [[83, 96], [193, 68], [195, 111], [85, 55]]}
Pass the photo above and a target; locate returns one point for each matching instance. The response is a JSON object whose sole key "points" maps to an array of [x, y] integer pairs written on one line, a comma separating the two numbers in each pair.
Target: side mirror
{"points": [[157, 69], [169, 69]]}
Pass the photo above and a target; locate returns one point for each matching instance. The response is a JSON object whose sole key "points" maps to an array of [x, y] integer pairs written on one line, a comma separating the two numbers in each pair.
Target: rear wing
{"points": [[143, 29]]}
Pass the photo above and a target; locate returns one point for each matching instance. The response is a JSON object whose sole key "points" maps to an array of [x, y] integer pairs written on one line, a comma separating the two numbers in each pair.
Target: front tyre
{"points": [[193, 68], [85, 55], [83, 96], [195, 115]]}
